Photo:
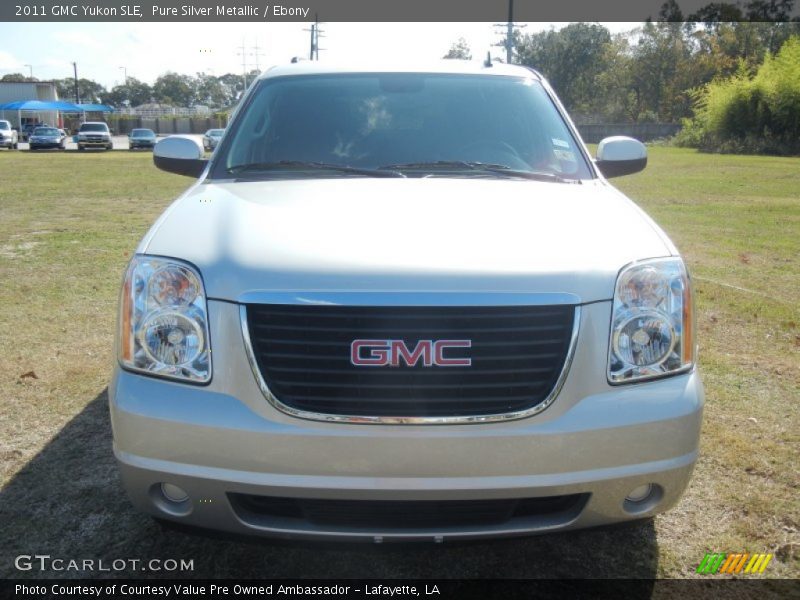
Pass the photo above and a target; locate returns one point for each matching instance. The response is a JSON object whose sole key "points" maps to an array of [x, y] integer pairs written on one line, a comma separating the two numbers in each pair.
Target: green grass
{"points": [[69, 222]]}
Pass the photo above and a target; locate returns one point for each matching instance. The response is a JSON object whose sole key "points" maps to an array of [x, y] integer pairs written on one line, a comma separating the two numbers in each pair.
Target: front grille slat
{"points": [[355, 515], [303, 355]]}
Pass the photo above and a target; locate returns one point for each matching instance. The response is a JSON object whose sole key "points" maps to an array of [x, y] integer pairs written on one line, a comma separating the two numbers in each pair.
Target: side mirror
{"points": [[620, 155], [179, 154]]}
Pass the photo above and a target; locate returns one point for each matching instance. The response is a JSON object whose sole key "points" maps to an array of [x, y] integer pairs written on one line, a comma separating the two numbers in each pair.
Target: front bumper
{"points": [[224, 439], [94, 143]]}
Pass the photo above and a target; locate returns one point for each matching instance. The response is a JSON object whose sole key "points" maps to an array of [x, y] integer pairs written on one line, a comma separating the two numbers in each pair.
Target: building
{"points": [[16, 91]]}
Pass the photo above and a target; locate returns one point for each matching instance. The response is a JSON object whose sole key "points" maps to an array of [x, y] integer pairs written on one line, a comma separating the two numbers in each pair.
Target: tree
{"points": [[17, 78], [89, 91], [175, 89], [133, 91], [571, 58], [459, 49], [210, 91]]}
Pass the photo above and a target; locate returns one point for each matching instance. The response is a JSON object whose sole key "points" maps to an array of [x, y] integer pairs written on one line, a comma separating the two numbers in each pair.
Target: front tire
{"points": [[81, 148]]}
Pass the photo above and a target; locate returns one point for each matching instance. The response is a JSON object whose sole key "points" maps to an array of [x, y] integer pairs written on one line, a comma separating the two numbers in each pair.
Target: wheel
{"points": [[110, 147], [15, 146], [81, 148]]}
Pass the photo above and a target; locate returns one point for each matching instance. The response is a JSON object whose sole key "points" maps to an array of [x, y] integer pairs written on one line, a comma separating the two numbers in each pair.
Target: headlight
{"points": [[163, 325], [652, 322]]}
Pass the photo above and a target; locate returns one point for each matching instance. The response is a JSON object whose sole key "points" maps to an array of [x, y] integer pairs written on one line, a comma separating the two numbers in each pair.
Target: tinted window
{"points": [[375, 120], [142, 133], [45, 131], [94, 127]]}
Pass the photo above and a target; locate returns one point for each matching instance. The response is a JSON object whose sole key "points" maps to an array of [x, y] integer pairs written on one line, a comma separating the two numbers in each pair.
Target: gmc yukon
{"points": [[404, 304]]}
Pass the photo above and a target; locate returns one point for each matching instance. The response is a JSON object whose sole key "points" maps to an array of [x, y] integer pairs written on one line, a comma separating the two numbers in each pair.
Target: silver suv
{"points": [[404, 305]]}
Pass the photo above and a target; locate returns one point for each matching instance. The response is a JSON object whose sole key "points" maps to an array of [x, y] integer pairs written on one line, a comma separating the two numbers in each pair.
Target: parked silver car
{"points": [[43, 138], [211, 138], [422, 314]]}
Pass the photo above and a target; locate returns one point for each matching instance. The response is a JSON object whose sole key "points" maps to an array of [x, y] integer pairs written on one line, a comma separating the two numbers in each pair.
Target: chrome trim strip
{"points": [[395, 298], [367, 420]]}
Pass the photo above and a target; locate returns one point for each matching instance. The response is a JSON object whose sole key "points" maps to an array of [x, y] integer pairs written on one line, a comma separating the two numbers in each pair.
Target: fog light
{"points": [[174, 493], [641, 493]]}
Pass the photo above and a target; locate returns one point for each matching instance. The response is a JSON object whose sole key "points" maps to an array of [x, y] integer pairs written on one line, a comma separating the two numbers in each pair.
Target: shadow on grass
{"points": [[67, 502]]}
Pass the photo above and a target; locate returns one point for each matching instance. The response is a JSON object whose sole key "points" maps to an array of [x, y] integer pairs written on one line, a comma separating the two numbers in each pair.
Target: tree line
{"points": [[173, 89], [651, 73]]}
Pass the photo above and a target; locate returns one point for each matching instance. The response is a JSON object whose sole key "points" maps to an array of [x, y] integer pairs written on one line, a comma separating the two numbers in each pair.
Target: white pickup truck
{"points": [[8, 136], [94, 134]]}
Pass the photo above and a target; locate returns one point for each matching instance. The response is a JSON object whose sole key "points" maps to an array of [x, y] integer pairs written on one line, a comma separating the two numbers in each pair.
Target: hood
{"points": [[409, 235]]}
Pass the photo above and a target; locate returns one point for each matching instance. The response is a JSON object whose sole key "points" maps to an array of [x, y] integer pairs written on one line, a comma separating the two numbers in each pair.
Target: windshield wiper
{"points": [[479, 167], [300, 165]]}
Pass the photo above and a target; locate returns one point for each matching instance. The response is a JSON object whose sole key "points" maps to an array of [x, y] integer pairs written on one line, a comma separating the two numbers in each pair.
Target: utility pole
{"points": [[243, 54], [316, 33], [75, 71], [510, 28], [256, 53], [125, 75], [30, 71]]}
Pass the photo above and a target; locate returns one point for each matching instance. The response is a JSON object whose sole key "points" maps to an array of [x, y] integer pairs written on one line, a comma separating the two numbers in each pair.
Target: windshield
{"points": [[418, 124], [94, 127], [142, 133], [215, 132], [45, 131], [4, 125]]}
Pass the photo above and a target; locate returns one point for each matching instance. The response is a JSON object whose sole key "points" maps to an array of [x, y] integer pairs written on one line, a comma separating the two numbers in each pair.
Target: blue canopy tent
{"points": [[57, 106], [95, 108]]}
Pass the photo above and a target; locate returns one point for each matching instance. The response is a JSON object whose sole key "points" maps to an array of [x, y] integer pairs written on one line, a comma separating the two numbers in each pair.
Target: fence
{"points": [[166, 125], [644, 132]]}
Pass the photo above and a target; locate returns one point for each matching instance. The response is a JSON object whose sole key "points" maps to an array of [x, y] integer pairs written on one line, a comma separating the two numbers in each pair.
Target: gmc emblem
{"points": [[389, 353]]}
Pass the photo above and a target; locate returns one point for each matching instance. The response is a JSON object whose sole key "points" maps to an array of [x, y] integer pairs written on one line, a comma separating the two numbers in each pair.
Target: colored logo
{"points": [[390, 353], [733, 564]]}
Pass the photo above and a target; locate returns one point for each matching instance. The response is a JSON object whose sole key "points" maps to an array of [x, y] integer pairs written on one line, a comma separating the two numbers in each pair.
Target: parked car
{"points": [[424, 314], [8, 136], [211, 138], [27, 130], [141, 138], [94, 134], [47, 137]]}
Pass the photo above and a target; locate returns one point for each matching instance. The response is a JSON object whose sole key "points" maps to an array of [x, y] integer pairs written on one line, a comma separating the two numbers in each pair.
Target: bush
{"points": [[753, 114]]}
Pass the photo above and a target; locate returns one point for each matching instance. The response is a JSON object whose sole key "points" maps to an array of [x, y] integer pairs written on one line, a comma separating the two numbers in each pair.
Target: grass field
{"points": [[69, 222]]}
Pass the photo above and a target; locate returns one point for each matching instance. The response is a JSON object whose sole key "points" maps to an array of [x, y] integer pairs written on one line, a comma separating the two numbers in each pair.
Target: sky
{"points": [[104, 52]]}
